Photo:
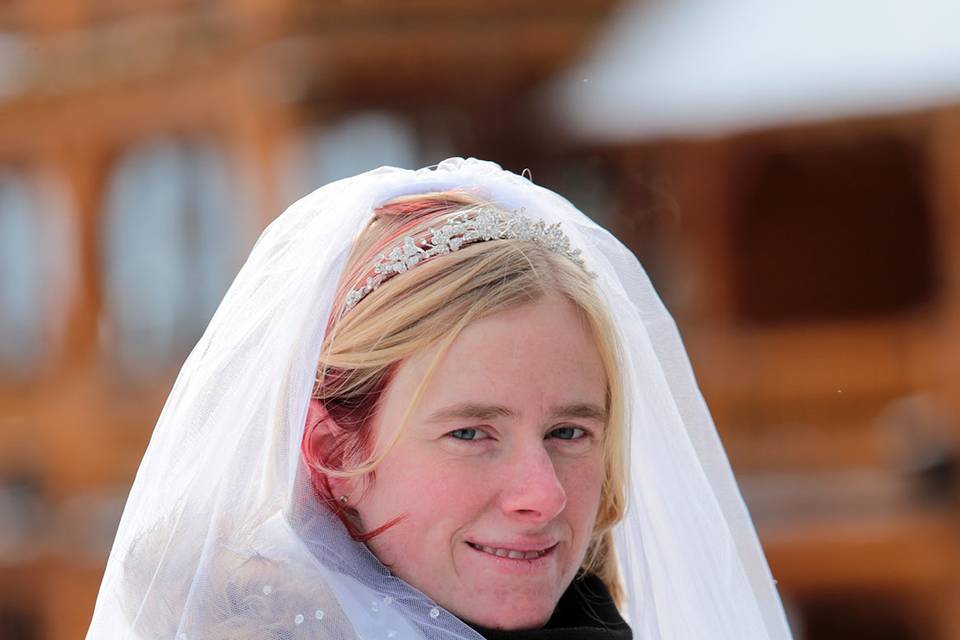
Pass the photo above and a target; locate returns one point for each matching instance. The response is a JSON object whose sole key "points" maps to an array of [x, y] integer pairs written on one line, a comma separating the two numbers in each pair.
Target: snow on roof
{"points": [[701, 67]]}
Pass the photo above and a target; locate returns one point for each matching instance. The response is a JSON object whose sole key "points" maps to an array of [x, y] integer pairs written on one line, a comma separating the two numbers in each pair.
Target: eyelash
{"points": [[453, 434]]}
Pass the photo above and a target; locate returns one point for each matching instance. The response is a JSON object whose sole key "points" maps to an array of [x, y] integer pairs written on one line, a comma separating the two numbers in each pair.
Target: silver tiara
{"points": [[478, 225]]}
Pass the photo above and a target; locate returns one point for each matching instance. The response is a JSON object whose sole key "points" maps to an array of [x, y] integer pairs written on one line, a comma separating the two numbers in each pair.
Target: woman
{"points": [[496, 381]]}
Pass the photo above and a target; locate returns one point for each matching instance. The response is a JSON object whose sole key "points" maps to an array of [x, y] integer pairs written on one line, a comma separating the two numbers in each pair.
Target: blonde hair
{"points": [[429, 306]]}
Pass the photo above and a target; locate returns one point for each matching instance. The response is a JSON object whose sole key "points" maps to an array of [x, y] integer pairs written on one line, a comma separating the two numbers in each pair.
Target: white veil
{"points": [[221, 536]]}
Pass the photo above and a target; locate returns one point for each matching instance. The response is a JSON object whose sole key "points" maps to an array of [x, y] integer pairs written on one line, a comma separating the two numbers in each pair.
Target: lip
{"points": [[524, 546], [534, 566]]}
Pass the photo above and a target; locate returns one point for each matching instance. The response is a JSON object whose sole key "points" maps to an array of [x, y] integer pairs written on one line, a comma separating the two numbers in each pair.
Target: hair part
{"points": [[429, 306]]}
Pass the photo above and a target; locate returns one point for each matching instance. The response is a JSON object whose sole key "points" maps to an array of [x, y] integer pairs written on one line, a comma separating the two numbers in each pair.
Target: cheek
{"points": [[431, 495], [434, 501], [582, 481]]}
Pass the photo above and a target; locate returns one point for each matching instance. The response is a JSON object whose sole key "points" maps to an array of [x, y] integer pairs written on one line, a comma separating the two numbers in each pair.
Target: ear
{"points": [[319, 442]]}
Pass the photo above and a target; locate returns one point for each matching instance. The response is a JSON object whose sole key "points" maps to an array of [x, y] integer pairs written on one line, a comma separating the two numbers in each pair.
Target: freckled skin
{"points": [[529, 478]]}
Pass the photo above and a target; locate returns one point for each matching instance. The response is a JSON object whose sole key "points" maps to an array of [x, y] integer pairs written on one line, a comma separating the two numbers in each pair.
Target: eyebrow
{"points": [[475, 411]]}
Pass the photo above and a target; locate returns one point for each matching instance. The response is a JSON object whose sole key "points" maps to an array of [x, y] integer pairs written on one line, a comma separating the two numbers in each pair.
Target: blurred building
{"points": [[798, 165], [143, 145], [810, 255]]}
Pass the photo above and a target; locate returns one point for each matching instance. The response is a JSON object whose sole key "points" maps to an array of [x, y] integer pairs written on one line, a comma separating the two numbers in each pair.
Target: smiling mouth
{"points": [[512, 554]]}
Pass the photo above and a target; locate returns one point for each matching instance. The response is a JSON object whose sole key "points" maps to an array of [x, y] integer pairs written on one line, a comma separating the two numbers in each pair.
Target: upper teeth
{"points": [[510, 553]]}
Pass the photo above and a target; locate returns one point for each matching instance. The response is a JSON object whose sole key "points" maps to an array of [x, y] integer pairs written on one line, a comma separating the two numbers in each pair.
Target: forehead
{"points": [[531, 358]]}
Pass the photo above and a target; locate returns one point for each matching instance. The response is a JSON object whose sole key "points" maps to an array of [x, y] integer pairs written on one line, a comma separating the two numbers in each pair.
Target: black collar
{"points": [[585, 612]]}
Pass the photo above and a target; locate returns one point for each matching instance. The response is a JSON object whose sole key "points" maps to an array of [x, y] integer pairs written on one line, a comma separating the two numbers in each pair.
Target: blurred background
{"points": [[789, 174]]}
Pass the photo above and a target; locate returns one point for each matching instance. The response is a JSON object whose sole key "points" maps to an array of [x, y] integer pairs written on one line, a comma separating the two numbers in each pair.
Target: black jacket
{"points": [[585, 612]]}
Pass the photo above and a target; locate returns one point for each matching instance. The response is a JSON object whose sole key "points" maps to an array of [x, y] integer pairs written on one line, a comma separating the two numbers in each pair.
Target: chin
{"points": [[514, 616]]}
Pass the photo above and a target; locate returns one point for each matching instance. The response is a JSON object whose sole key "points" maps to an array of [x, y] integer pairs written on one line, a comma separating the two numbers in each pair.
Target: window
{"points": [[15, 64], [35, 258], [352, 145], [832, 231], [174, 235]]}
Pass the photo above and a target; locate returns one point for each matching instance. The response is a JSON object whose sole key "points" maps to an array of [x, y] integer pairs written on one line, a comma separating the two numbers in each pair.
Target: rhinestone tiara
{"points": [[477, 225]]}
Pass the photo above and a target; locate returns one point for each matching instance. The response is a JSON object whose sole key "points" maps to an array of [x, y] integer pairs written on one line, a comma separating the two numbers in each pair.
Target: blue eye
{"points": [[467, 434], [568, 433]]}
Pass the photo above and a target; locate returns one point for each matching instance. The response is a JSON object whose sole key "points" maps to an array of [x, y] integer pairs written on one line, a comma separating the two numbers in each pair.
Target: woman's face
{"points": [[497, 474]]}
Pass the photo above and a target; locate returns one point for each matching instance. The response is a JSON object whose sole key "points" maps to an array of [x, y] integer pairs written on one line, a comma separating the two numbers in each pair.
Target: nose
{"points": [[532, 490]]}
